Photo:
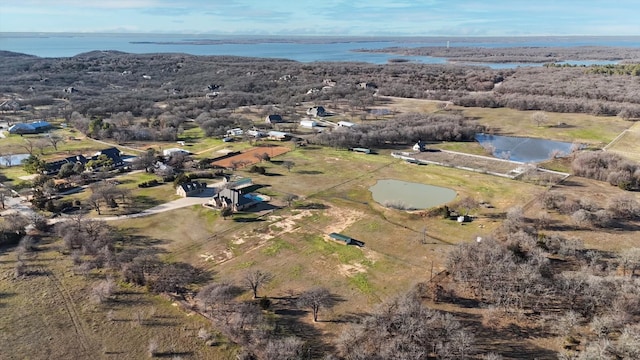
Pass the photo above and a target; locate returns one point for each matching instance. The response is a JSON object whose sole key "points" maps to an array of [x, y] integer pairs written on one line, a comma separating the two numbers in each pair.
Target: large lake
{"points": [[409, 195], [308, 49], [528, 150]]}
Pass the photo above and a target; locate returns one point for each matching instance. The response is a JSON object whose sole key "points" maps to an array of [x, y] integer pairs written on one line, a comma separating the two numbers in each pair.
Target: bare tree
{"points": [[216, 294], [256, 279], [54, 140], [315, 299], [288, 165], [4, 194], [289, 348], [41, 144], [7, 158], [540, 118], [103, 290], [289, 198], [28, 145]]}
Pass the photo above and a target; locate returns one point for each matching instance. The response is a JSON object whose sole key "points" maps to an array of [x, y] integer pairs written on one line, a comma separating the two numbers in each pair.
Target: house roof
{"points": [[54, 166], [33, 127], [112, 153], [274, 117], [192, 185]]}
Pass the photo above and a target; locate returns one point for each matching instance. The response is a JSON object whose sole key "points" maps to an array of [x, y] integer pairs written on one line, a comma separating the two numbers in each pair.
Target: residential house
{"points": [[420, 146], [235, 132], [309, 124], [273, 119], [191, 188], [113, 154], [367, 85], [278, 135], [171, 151], [346, 124], [233, 198], [316, 111], [29, 128], [53, 167]]}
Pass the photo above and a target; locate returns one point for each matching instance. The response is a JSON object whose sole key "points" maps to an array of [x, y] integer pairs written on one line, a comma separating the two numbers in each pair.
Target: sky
{"points": [[326, 17]]}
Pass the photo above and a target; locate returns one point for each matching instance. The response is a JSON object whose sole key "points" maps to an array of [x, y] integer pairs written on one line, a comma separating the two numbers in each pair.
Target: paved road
{"points": [[21, 205], [171, 205]]}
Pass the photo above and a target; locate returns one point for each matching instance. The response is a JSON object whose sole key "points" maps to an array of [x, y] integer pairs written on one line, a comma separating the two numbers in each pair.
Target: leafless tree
{"points": [[316, 299], [289, 348], [4, 194], [290, 198], [41, 144], [256, 279], [28, 145], [288, 165], [54, 140], [540, 118], [103, 290], [216, 295], [7, 158]]}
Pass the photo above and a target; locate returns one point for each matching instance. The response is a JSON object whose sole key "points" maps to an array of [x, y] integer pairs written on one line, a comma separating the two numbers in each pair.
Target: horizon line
{"points": [[305, 35]]}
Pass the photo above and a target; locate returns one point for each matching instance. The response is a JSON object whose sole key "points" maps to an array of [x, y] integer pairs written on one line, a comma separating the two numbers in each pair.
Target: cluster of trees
{"points": [[616, 212], [607, 166], [245, 322], [404, 129], [112, 87], [122, 127], [216, 123], [514, 275], [404, 328]]}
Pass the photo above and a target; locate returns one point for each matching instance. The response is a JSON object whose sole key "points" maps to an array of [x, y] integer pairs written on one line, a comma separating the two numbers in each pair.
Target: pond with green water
{"points": [[409, 195]]}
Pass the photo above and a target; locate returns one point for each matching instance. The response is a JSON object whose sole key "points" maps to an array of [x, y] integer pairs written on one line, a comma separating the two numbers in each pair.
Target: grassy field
{"points": [[293, 243], [628, 144], [580, 128], [49, 315]]}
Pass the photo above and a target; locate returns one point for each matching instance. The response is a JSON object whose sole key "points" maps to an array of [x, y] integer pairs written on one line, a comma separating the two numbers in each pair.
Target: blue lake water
{"points": [[528, 150], [64, 45], [14, 160], [410, 195]]}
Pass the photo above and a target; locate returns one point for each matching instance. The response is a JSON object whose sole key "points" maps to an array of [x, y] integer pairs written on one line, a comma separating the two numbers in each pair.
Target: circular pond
{"points": [[410, 196]]}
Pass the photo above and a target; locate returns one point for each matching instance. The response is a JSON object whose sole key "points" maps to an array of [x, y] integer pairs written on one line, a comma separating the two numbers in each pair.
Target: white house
{"points": [[346, 124], [235, 132], [171, 151], [308, 124]]}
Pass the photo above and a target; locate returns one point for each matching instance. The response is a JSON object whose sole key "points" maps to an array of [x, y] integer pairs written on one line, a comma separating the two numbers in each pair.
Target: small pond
{"points": [[523, 149], [14, 160], [410, 196]]}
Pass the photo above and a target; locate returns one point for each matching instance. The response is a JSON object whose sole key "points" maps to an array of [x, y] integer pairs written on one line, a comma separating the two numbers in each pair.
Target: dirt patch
{"points": [[351, 269], [342, 219], [248, 157]]}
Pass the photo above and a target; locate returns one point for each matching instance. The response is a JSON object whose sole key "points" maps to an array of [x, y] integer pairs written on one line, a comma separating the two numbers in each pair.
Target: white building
{"points": [[169, 152], [346, 124], [308, 124], [235, 132]]}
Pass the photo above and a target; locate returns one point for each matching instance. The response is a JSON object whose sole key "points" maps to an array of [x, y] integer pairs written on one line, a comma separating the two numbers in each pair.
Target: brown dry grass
{"points": [[248, 157], [49, 315]]}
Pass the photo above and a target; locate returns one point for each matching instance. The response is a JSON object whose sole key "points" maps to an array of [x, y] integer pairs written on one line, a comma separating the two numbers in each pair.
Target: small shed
{"points": [[361, 150], [345, 239]]}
